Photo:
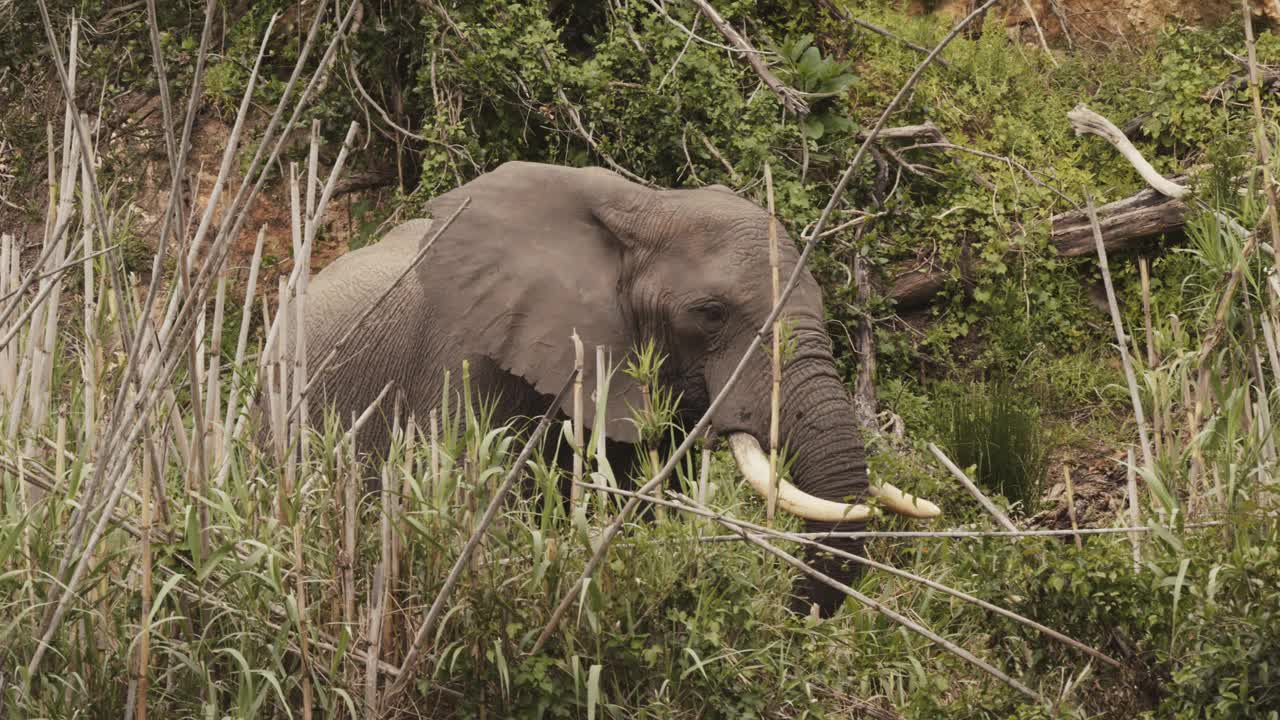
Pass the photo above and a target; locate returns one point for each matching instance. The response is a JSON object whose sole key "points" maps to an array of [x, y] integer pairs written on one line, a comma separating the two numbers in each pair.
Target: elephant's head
{"points": [[545, 250]]}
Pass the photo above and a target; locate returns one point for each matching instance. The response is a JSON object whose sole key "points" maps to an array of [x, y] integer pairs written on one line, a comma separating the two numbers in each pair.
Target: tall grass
{"points": [[996, 430]]}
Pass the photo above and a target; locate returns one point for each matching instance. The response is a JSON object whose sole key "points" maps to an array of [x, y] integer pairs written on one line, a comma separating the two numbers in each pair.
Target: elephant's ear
{"points": [[535, 256], [720, 188]]}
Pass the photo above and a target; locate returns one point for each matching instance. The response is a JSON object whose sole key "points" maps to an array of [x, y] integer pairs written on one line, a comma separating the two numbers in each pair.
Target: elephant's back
{"points": [[387, 344]]}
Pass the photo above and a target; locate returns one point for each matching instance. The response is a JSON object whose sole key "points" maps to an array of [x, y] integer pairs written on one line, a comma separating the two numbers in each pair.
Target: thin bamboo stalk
{"points": [[1118, 322], [144, 623], [704, 474], [579, 437], [602, 423], [349, 472], [1157, 413], [1135, 518], [775, 393], [1071, 507], [378, 594]]}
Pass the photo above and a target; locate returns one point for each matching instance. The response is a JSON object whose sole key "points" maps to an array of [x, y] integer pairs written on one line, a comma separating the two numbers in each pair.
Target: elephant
{"points": [[544, 251]]}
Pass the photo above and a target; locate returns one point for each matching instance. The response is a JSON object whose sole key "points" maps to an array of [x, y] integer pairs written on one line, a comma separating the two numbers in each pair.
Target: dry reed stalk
{"points": [[434, 480], [8, 369], [579, 445], [144, 614], [403, 552], [416, 648], [304, 668], [35, 319], [602, 423], [775, 392], [1118, 323], [1157, 414], [279, 370], [379, 595], [611, 531], [350, 475], [1269, 336], [296, 434], [1262, 145], [91, 358], [393, 520], [704, 474], [230, 428], [213, 381], [1071, 507], [359, 422], [1135, 518], [1002, 519]]}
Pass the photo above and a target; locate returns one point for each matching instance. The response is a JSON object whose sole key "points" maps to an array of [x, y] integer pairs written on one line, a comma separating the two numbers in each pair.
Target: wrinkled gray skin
{"points": [[544, 250]]}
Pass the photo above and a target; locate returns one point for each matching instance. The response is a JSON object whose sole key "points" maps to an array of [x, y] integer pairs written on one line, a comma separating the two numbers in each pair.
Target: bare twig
{"points": [[1131, 484], [775, 395], [982, 499], [790, 97]]}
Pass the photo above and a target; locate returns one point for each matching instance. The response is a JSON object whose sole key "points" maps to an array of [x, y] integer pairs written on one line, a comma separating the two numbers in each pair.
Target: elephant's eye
{"points": [[711, 314]]}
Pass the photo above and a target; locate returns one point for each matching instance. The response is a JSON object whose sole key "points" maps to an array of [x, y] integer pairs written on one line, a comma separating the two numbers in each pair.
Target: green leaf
{"points": [[593, 690], [813, 128]]}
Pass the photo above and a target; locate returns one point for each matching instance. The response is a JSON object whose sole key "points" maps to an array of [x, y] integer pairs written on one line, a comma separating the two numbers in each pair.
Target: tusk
{"points": [[904, 503], [755, 468]]}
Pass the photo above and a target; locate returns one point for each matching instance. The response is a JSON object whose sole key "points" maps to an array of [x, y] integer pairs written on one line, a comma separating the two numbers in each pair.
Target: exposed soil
{"points": [[1110, 22], [1098, 488]]}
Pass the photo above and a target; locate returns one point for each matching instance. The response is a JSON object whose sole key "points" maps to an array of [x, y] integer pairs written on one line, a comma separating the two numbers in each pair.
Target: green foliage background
{"points": [[487, 82]]}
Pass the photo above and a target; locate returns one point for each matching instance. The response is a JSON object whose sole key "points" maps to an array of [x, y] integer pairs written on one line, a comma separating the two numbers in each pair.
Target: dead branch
{"points": [[789, 96], [1125, 223], [1083, 120]]}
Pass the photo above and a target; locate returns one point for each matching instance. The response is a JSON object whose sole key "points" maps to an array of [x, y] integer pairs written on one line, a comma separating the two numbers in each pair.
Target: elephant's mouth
{"points": [[754, 465]]}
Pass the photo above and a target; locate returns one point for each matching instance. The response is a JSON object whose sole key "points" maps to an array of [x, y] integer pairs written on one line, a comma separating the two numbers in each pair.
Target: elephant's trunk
{"points": [[828, 466]]}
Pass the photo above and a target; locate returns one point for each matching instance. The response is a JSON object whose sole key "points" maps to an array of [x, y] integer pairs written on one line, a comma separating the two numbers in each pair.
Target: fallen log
{"points": [[1124, 224]]}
